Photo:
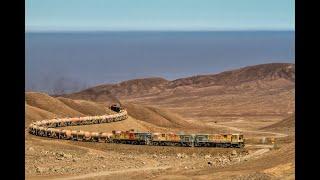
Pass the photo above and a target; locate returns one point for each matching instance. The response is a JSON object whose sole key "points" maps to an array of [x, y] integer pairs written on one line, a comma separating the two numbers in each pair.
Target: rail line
{"points": [[48, 128]]}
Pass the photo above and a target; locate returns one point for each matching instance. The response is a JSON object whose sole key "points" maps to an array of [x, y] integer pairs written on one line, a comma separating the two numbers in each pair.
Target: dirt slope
{"points": [[36, 114], [286, 124], [39, 106], [157, 116], [42, 106], [50, 104], [94, 94], [85, 107]]}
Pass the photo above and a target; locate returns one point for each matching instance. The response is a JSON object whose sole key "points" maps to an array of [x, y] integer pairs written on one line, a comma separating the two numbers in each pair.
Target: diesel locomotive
{"points": [[173, 139]]}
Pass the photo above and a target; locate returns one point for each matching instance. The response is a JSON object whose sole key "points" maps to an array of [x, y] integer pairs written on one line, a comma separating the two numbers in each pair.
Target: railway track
{"points": [[49, 128]]}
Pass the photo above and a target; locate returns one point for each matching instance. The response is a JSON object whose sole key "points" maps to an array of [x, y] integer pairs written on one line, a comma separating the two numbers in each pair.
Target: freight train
{"points": [[47, 128]]}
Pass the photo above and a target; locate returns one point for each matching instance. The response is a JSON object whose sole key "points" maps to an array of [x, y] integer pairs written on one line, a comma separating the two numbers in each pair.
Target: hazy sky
{"points": [[52, 15]]}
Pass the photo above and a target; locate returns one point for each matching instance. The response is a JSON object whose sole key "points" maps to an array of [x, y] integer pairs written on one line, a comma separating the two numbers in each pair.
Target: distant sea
{"points": [[60, 62]]}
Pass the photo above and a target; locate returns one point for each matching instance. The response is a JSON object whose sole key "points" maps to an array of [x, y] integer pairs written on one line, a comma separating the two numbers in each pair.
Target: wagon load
{"points": [[74, 134], [95, 136], [87, 135], [41, 131], [106, 137], [50, 131], [66, 134], [55, 133], [54, 123]]}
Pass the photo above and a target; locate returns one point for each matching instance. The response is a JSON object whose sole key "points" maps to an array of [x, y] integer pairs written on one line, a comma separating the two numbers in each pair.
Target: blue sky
{"points": [[61, 15]]}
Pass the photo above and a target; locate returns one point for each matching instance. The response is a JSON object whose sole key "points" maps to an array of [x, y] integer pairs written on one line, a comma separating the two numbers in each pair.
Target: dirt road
{"points": [[236, 129], [106, 173]]}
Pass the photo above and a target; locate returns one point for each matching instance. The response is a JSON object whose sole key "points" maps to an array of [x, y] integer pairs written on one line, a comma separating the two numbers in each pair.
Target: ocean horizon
{"points": [[75, 60]]}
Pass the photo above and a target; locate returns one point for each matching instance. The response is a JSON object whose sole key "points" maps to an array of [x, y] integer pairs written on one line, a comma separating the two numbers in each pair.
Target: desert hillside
{"points": [[257, 101], [287, 124], [93, 94], [41, 106], [155, 86], [260, 90]]}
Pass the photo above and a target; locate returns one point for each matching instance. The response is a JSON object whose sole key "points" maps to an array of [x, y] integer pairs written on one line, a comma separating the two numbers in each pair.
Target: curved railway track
{"points": [[48, 128]]}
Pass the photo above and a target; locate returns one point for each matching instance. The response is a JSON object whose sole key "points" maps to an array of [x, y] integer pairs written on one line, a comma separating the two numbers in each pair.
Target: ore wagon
{"points": [[95, 136], [74, 135], [56, 133], [65, 134], [105, 137], [87, 136]]}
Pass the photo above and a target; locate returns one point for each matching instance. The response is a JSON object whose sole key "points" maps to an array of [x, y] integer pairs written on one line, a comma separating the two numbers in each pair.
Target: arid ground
{"points": [[257, 101]]}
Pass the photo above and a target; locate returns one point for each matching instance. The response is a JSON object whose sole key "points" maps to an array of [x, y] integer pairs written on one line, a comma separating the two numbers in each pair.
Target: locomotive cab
{"points": [[116, 107]]}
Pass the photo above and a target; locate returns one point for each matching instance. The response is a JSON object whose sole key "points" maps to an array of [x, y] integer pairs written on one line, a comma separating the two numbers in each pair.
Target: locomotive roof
{"points": [[115, 105]]}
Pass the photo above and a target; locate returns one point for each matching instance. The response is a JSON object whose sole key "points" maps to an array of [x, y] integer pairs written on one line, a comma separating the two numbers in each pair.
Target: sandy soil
{"points": [[262, 108]]}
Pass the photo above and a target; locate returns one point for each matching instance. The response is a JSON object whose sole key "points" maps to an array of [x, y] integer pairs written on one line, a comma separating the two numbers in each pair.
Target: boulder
{"points": [[234, 153], [41, 169]]}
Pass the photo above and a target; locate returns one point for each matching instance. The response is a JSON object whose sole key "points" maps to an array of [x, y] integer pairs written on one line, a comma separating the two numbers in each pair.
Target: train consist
{"points": [[48, 128]]}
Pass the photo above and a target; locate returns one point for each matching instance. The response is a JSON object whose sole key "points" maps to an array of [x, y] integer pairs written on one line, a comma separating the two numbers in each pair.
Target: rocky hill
{"points": [[156, 86], [267, 72], [111, 92], [266, 89]]}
